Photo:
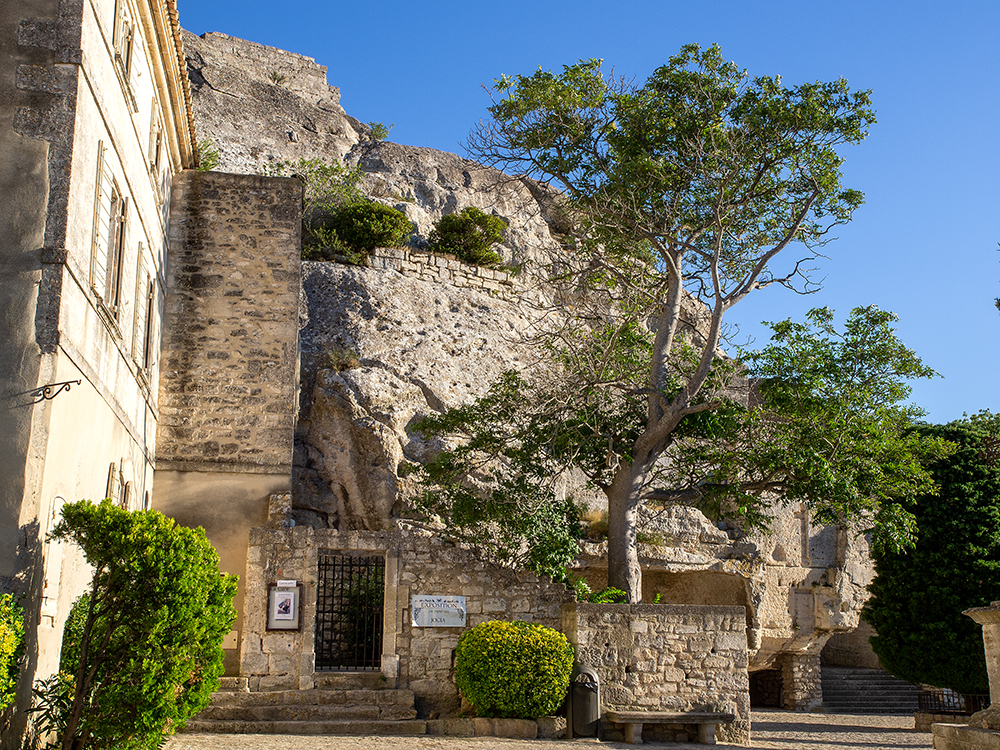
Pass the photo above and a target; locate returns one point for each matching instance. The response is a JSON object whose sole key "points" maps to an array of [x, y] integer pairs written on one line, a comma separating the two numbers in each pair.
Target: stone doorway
{"points": [[349, 611]]}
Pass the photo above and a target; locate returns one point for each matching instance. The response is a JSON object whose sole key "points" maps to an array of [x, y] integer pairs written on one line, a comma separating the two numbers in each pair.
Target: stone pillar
{"points": [[802, 681], [989, 618]]}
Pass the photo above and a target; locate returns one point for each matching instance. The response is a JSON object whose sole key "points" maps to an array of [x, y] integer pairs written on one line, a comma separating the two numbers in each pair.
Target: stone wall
{"points": [[230, 335], [229, 371], [802, 681], [659, 657], [444, 269], [421, 659]]}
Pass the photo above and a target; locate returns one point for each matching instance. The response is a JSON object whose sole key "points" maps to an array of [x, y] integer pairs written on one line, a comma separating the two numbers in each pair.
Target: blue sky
{"points": [[925, 243]]}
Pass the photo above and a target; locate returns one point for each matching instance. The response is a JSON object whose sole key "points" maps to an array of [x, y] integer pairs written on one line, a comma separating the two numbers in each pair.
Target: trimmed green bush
{"points": [[365, 226], [513, 670], [11, 645], [469, 235]]}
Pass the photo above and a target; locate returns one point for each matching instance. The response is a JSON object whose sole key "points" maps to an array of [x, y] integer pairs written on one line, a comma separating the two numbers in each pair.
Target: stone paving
{"points": [[772, 730]]}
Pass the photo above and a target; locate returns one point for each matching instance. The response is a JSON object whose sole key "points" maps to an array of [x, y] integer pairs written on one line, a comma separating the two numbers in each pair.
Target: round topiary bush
{"points": [[513, 670], [365, 226], [469, 235]]}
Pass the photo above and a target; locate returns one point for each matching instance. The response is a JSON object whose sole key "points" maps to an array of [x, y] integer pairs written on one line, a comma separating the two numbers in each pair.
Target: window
{"points": [[145, 307], [107, 261], [125, 43]]}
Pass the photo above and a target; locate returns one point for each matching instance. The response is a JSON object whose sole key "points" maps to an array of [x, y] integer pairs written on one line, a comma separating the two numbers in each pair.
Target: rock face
{"points": [[384, 345]]}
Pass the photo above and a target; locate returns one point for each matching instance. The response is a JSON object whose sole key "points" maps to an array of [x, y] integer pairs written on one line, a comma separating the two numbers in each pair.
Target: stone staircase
{"points": [[337, 706], [847, 690]]}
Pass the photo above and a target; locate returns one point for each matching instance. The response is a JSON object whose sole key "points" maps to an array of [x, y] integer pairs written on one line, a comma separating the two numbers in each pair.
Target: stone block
{"points": [[551, 727], [451, 727]]}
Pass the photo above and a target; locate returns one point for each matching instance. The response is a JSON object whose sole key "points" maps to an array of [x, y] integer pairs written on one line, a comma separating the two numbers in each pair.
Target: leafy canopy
{"points": [[918, 596], [683, 190], [144, 649], [824, 425]]}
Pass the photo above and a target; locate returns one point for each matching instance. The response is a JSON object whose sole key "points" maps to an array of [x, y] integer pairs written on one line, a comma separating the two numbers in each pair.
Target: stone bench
{"points": [[632, 721]]}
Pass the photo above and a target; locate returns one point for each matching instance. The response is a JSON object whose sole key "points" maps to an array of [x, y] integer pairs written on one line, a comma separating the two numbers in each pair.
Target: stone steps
{"points": [[867, 691], [333, 728], [344, 711]]}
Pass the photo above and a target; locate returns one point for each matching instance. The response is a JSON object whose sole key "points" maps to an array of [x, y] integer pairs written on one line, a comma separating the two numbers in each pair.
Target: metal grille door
{"points": [[349, 612]]}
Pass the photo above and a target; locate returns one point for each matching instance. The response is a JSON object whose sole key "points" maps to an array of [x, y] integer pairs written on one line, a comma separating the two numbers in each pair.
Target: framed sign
{"points": [[284, 605], [439, 611]]}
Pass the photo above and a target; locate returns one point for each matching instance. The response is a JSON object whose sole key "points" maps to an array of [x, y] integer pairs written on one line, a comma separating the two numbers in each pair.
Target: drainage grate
{"points": [[349, 605]]}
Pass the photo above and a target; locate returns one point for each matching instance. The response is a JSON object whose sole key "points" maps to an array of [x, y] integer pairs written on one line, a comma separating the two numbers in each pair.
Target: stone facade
{"points": [[230, 338], [421, 659], [802, 681], [658, 657], [95, 122], [229, 359]]}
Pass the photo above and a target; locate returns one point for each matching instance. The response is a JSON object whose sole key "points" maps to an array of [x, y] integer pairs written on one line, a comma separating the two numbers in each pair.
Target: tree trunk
{"points": [[623, 556]]}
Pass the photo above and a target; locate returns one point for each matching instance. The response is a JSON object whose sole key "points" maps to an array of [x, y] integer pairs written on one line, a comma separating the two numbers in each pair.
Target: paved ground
{"points": [[772, 730]]}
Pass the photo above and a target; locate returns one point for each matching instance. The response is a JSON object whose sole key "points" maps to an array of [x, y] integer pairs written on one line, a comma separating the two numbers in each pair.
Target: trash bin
{"points": [[586, 702]]}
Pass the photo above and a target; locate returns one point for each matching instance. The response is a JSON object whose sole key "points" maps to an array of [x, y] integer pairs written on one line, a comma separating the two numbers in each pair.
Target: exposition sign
{"points": [[438, 611]]}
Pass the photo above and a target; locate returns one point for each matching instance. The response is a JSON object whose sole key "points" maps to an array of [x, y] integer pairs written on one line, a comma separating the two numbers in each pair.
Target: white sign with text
{"points": [[438, 611]]}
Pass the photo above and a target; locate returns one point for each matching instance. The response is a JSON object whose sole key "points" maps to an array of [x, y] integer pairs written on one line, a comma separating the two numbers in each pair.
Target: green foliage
{"points": [[277, 78], [513, 669], [11, 647], [329, 188], [469, 235], [328, 185], [342, 358], [143, 651], [378, 131], [918, 596], [366, 226], [689, 185], [824, 428], [607, 595], [208, 156]]}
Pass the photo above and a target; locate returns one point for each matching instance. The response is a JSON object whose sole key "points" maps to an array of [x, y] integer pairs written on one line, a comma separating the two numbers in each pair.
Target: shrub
{"points": [[143, 651], [208, 156], [469, 235], [917, 597], [11, 645], [365, 226], [513, 669]]}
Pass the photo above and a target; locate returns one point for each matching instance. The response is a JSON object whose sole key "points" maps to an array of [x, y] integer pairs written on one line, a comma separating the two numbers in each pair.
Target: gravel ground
{"points": [[772, 730]]}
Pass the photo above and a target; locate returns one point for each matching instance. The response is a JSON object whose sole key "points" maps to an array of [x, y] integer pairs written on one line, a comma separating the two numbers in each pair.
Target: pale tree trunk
{"points": [[623, 554]]}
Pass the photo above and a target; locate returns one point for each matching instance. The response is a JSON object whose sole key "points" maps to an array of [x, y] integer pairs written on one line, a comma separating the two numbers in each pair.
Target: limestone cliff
{"points": [[382, 345]]}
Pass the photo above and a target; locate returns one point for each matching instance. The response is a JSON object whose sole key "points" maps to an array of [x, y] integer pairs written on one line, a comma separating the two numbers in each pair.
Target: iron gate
{"points": [[349, 603]]}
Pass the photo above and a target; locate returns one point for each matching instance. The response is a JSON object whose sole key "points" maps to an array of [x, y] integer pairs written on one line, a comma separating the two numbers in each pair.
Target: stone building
{"points": [[95, 122]]}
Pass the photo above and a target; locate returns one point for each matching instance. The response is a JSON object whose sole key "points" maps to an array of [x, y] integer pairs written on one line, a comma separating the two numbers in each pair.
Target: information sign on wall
{"points": [[438, 611]]}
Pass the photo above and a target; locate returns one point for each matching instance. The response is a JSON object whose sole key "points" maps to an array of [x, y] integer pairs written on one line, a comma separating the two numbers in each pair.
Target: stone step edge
{"points": [[333, 728], [353, 696]]}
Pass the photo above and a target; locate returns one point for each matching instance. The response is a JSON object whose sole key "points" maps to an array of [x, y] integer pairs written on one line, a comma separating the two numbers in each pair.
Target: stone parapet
{"points": [[444, 269], [664, 657]]}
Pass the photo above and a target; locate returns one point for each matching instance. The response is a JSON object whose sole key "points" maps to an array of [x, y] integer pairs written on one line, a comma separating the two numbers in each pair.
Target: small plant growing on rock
{"points": [[208, 156], [342, 358], [277, 78], [513, 670], [469, 235]]}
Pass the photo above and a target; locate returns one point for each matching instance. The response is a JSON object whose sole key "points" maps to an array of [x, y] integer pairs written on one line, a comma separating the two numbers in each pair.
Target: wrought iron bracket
{"points": [[45, 392]]}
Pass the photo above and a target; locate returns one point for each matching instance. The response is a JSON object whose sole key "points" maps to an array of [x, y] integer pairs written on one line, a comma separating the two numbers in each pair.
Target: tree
{"points": [[918, 596], [146, 645], [823, 426], [685, 188]]}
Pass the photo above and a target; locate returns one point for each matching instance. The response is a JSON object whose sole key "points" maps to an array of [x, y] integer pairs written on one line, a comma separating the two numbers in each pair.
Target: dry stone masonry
{"points": [[230, 332]]}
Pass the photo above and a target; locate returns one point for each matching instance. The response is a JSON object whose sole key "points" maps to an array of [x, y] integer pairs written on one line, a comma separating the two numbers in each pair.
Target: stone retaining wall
{"points": [[441, 268], [665, 657]]}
